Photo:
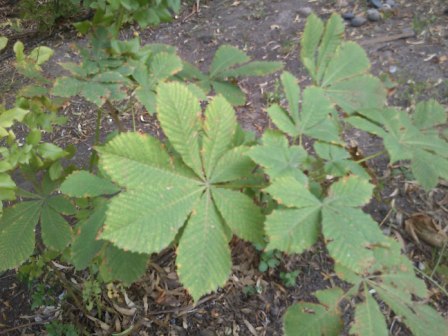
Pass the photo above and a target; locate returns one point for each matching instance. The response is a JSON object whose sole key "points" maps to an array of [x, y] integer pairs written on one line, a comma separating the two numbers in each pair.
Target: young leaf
{"points": [[210, 269], [164, 65], [231, 92], [257, 68], [312, 35], [368, 318], [179, 114], [429, 114], [315, 319], [292, 93], [331, 39], [278, 158], [84, 184], [225, 57], [3, 42], [17, 239]]}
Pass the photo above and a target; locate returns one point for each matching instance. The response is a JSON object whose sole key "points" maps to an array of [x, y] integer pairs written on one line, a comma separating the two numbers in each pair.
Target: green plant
{"points": [[269, 260], [57, 328], [309, 205], [46, 13], [228, 64], [289, 278]]}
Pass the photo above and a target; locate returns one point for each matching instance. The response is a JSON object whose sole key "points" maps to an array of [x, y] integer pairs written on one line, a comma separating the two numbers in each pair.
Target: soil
{"points": [[252, 302]]}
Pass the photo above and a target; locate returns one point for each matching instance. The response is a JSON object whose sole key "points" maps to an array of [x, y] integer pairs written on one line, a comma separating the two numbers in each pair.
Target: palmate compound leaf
{"points": [[314, 118], [404, 140], [17, 239], [340, 68], [158, 199], [278, 158], [315, 319], [162, 193]]}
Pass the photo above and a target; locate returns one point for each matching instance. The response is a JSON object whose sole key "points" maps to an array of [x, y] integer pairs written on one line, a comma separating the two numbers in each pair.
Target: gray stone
{"points": [[358, 21], [391, 3], [348, 16], [376, 3], [305, 11], [373, 15]]}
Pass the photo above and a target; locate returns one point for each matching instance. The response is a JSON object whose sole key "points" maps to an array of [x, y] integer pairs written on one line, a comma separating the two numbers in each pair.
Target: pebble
{"points": [[391, 3], [358, 21], [348, 16], [376, 3], [373, 15], [305, 11]]}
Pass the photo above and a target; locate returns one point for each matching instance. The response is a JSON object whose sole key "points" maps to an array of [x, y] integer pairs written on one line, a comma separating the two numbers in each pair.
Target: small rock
{"points": [[445, 11], [376, 3], [373, 15], [305, 11], [206, 39], [348, 16], [358, 21], [391, 3]]}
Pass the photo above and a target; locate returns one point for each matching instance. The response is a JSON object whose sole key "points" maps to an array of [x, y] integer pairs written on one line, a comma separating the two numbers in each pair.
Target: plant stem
{"points": [[432, 281], [94, 155], [370, 157], [439, 259]]}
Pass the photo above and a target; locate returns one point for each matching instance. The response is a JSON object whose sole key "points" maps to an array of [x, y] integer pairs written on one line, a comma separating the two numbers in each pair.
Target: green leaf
{"points": [[67, 87], [331, 39], [84, 184], [350, 191], [315, 319], [312, 35], [368, 318], [225, 57], [295, 229], [209, 270], [256, 68], [428, 114], [40, 55], [123, 266], [233, 165], [240, 213], [3, 42], [359, 92], [85, 245], [316, 110], [179, 113], [231, 92], [18, 221], [156, 194], [421, 319], [282, 120], [338, 161], [292, 93], [164, 65], [349, 61], [51, 152], [7, 118], [278, 158], [62, 205], [219, 127], [56, 232]]}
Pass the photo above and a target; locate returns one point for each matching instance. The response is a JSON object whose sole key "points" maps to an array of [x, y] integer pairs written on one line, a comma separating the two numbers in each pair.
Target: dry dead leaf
{"points": [[421, 226]]}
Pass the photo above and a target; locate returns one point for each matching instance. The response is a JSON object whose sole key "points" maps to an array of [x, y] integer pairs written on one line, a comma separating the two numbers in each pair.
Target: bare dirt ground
{"points": [[252, 303]]}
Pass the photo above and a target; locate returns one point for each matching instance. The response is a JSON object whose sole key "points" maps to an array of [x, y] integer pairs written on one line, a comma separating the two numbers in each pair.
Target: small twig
{"points": [[26, 325]]}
